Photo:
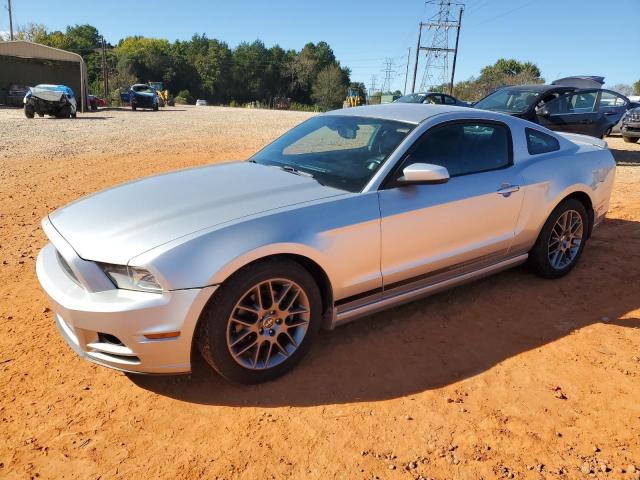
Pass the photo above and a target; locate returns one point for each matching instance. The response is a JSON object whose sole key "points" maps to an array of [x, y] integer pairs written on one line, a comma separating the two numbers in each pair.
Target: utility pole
{"points": [[406, 75], [455, 52], [415, 65], [105, 71], [437, 54], [10, 20]]}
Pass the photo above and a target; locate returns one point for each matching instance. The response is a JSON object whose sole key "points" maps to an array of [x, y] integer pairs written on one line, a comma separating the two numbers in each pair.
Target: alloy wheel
{"points": [[565, 239], [268, 324]]}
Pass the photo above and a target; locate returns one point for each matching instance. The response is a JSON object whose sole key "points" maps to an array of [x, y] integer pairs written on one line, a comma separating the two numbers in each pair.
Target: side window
{"points": [[436, 99], [449, 100], [464, 147], [539, 142], [581, 102], [610, 99]]}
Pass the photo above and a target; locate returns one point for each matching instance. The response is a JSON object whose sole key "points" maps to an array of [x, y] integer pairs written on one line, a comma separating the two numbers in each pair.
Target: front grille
{"points": [[65, 266]]}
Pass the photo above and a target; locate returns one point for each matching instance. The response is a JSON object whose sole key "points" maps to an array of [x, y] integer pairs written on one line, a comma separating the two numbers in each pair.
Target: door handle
{"points": [[507, 190], [609, 113], [586, 122]]}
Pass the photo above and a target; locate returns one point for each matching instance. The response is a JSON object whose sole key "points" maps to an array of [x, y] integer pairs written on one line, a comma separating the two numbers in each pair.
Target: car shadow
{"points": [[626, 158], [439, 340], [128, 109]]}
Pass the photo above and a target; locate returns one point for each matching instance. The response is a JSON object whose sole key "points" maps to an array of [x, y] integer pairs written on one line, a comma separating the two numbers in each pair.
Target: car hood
{"points": [[117, 224]]}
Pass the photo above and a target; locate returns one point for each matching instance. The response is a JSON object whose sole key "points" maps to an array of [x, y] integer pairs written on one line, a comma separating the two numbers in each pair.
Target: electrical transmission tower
{"points": [[389, 72], [372, 85], [436, 70]]}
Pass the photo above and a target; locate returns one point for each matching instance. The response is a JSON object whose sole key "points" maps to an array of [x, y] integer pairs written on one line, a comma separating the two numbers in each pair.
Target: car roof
{"points": [[537, 87], [399, 112]]}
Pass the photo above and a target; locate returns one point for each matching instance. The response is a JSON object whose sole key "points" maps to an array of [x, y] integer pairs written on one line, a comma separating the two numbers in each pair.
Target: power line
{"points": [[500, 15]]}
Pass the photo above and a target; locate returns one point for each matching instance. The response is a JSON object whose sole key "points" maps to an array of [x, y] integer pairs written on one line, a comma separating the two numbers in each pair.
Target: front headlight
{"points": [[131, 278]]}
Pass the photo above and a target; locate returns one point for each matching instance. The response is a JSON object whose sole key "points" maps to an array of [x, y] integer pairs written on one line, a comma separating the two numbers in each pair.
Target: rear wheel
{"points": [[630, 139], [261, 321], [561, 241], [133, 107]]}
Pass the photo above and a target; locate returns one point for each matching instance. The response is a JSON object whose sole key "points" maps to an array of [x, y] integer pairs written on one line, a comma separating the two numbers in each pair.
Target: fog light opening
{"points": [[108, 338]]}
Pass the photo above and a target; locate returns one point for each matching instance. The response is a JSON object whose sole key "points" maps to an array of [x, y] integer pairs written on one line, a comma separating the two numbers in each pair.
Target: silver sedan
{"points": [[349, 213]]}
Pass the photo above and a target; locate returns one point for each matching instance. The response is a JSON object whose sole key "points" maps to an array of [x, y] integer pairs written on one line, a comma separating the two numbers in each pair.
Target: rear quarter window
{"points": [[539, 142]]}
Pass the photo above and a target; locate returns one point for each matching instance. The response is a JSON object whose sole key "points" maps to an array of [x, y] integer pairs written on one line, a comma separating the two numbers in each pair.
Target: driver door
{"points": [[575, 112], [428, 228]]}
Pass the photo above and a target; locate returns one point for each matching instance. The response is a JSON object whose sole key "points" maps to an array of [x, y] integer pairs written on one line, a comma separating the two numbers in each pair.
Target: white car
{"points": [[201, 103], [349, 213]]}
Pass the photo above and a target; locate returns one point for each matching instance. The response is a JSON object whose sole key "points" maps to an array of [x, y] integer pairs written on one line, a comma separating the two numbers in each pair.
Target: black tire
{"points": [[73, 115], [155, 107], [630, 139], [64, 112], [133, 107], [539, 260], [29, 111], [40, 114], [212, 329]]}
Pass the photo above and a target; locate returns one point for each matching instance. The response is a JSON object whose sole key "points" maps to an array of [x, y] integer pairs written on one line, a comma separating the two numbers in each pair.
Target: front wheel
{"points": [[561, 240], [29, 111], [261, 321], [630, 139]]}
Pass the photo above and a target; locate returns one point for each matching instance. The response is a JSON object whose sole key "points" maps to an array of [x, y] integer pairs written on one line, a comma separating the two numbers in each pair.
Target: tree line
{"points": [[207, 68]]}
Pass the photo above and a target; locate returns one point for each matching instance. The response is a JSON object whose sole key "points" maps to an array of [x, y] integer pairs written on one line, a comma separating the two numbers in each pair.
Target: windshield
{"points": [[339, 151], [509, 100], [142, 89], [412, 98]]}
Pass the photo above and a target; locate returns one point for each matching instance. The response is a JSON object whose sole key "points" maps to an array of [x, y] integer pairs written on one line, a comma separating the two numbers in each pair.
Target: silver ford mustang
{"points": [[349, 213]]}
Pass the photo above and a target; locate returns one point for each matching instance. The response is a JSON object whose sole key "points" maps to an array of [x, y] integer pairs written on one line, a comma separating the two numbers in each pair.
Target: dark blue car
{"points": [[141, 95]]}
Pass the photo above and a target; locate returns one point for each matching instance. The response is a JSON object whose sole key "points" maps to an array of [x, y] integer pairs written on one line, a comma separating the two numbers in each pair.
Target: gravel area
{"points": [[120, 131]]}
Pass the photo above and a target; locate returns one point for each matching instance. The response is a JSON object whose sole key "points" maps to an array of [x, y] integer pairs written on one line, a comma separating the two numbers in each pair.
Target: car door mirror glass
{"points": [[543, 111], [423, 173]]}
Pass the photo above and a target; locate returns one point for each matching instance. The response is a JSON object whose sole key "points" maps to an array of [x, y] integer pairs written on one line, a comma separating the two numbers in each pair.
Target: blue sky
{"points": [[563, 37]]}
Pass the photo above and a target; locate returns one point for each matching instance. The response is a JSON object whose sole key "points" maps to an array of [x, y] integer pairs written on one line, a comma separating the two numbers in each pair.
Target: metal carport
{"points": [[28, 63]]}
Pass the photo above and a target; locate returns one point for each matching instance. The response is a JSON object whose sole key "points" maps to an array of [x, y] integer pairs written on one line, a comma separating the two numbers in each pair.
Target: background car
{"points": [[55, 100], [348, 213], [563, 108], [15, 95], [630, 129], [142, 95], [201, 103], [94, 102], [435, 98], [634, 102]]}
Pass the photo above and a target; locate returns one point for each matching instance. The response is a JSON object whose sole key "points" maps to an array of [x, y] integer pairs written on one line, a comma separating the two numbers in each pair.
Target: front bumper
{"points": [[142, 102], [630, 129], [108, 327]]}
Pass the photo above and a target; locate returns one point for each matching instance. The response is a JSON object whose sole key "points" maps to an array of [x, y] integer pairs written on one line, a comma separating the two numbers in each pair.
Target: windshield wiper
{"points": [[295, 171]]}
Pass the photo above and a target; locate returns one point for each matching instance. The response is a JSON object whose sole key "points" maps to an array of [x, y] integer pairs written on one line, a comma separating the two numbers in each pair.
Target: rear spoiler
{"points": [[584, 139]]}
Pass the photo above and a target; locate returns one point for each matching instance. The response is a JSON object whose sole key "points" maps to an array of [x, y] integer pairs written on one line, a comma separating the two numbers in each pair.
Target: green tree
{"points": [[329, 89], [636, 88]]}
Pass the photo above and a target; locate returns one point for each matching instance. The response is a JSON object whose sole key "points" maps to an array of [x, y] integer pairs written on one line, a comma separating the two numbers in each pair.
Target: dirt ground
{"points": [[509, 377]]}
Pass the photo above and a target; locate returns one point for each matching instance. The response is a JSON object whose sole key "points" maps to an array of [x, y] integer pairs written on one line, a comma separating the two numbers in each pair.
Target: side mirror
{"points": [[423, 173], [543, 112]]}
